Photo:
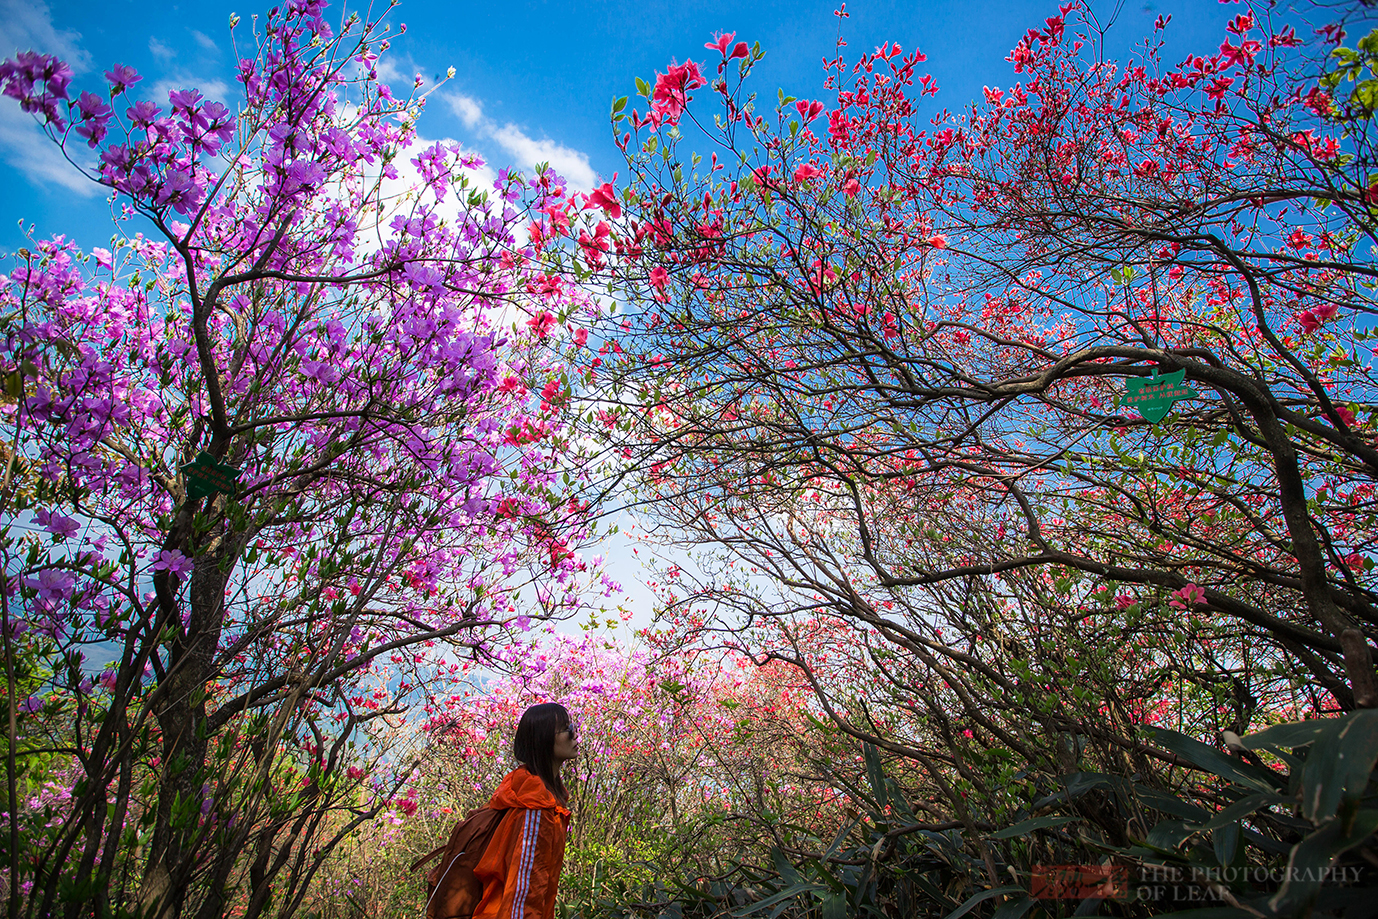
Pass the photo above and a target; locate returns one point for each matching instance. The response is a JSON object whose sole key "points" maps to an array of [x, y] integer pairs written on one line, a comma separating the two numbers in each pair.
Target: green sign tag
{"points": [[1153, 396], [206, 477]]}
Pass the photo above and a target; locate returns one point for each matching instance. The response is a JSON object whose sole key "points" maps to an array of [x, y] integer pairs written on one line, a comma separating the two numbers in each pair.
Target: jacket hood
{"points": [[523, 789]]}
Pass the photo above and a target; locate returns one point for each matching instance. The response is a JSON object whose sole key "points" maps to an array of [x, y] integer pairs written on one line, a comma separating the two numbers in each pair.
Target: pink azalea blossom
{"points": [[672, 88], [1312, 319], [605, 197], [720, 42], [1187, 597], [541, 323]]}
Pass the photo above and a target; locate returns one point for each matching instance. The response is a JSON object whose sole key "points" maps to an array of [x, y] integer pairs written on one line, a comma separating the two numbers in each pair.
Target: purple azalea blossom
{"points": [[121, 77], [52, 585], [143, 113], [179, 190], [173, 562], [63, 526]]}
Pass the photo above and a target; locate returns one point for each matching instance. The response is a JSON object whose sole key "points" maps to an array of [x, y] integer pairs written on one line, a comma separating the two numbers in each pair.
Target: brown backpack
{"points": [[453, 892]]}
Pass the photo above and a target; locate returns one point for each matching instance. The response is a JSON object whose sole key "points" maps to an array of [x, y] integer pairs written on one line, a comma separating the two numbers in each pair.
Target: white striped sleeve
{"points": [[531, 831]]}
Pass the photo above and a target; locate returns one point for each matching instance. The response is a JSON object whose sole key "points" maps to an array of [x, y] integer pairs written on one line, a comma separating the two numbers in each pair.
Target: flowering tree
{"points": [[274, 463], [890, 356], [919, 335]]}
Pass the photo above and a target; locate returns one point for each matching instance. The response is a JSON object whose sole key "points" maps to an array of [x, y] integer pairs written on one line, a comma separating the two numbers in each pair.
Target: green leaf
{"points": [[1241, 809], [1212, 760], [981, 897], [1296, 734], [783, 866], [619, 105], [1339, 764], [1014, 909], [874, 774], [788, 893], [842, 835], [642, 88], [835, 907], [1225, 842], [1310, 857], [1038, 823], [1169, 834], [1122, 275]]}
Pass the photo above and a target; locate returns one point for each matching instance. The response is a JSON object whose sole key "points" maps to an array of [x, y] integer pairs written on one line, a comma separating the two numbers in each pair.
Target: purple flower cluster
{"points": [[39, 82]]}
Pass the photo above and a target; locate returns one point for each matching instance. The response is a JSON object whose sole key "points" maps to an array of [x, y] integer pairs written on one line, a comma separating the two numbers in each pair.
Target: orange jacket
{"points": [[520, 869]]}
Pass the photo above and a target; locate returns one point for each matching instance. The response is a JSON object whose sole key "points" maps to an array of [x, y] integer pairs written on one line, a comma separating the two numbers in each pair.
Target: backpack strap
{"points": [[435, 853]]}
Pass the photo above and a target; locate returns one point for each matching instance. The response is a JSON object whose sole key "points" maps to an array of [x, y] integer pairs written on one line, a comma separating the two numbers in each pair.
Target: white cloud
{"points": [[568, 162], [400, 72], [466, 108], [218, 90], [28, 25], [409, 177], [204, 40], [160, 50], [398, 194], [388, 71], [525, 150], [26, 148]]}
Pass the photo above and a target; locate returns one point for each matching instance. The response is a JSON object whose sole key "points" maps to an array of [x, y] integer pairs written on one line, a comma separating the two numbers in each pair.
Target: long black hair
{"points": [[534, 745]]}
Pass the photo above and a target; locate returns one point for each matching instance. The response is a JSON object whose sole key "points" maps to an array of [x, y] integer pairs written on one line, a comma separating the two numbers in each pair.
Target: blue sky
{"points": [[534, 80]]}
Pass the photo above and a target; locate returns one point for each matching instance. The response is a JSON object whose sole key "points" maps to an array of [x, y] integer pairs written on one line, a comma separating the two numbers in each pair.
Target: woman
{"points": [[520, 869]]}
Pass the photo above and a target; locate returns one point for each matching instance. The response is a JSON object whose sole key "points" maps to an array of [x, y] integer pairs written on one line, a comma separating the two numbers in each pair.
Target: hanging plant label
{"points": [[206, 476], [1153, 397]]}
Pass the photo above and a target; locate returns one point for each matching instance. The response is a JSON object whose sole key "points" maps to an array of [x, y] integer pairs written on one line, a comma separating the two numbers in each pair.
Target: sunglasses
{"points": [[570, 730]]}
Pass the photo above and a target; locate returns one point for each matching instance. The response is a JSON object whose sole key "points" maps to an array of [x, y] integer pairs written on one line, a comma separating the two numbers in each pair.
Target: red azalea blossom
{"points": [[541, 323], [605, 197], [672, 89]]}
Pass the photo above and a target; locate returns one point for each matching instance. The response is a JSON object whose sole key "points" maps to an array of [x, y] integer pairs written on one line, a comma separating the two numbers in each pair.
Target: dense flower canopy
{"points": [[300, 469]]}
